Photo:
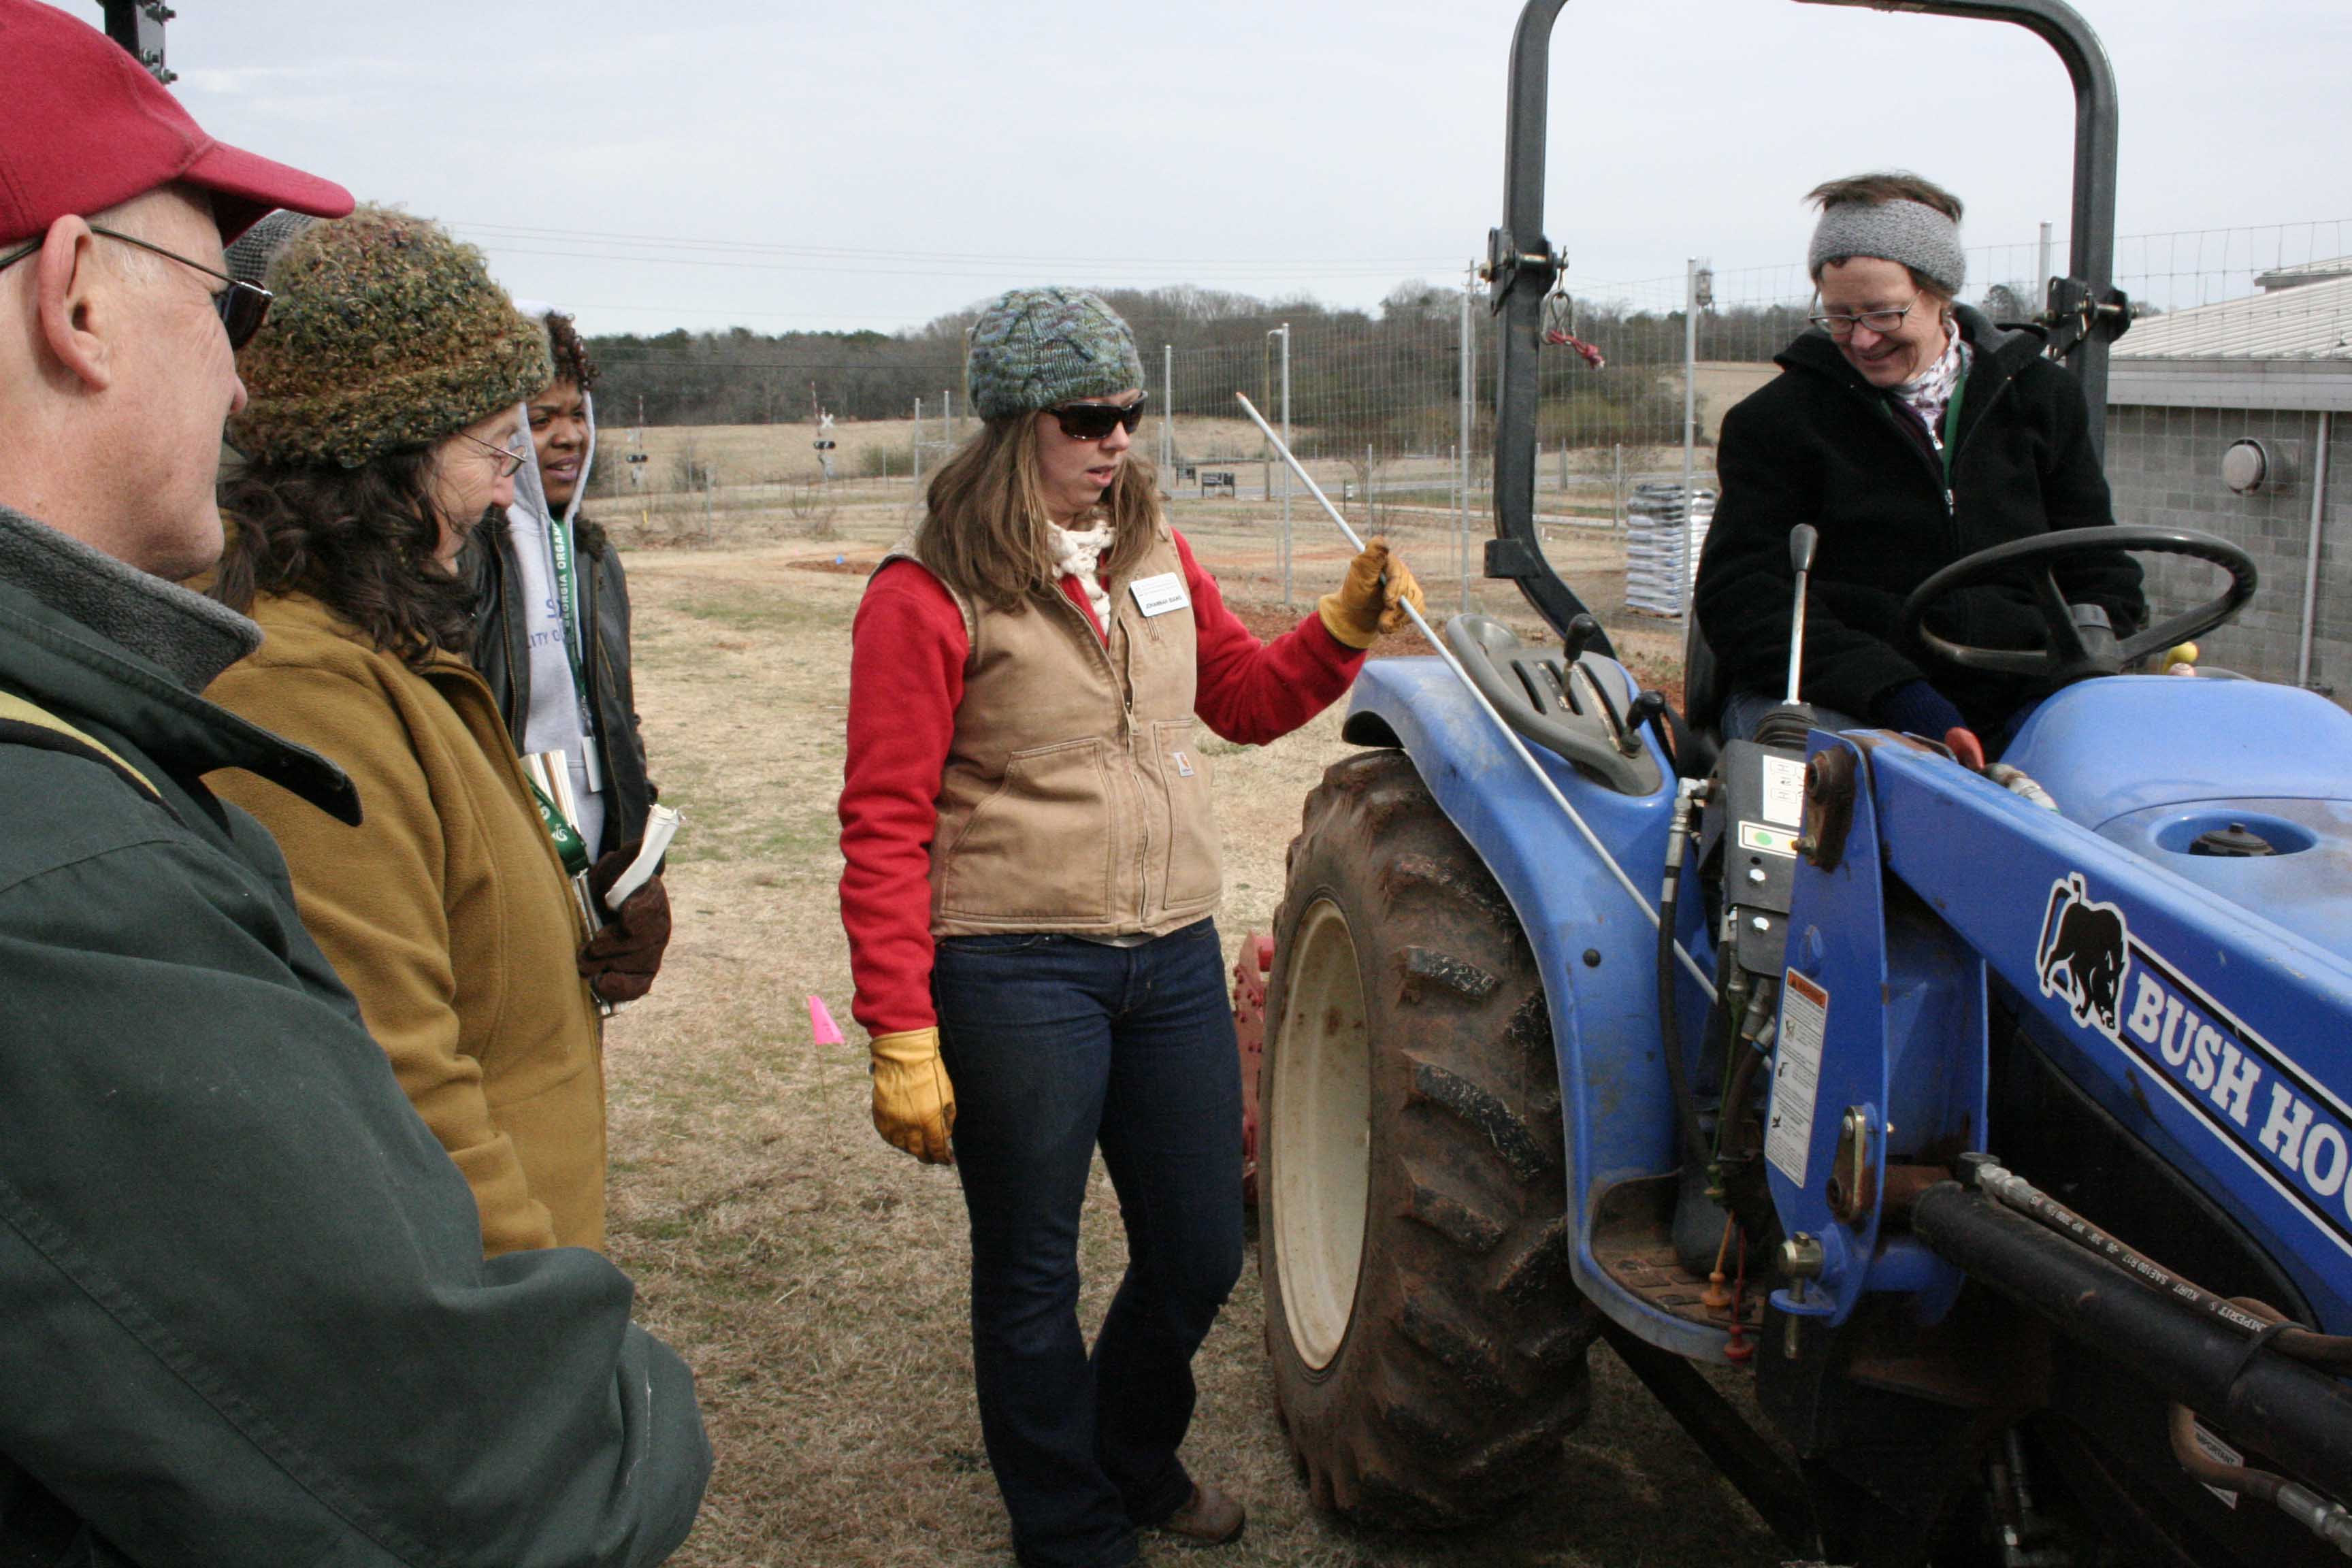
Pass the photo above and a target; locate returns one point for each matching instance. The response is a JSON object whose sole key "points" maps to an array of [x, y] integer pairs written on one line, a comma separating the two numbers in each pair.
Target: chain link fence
{"points": [[1392, 412]]}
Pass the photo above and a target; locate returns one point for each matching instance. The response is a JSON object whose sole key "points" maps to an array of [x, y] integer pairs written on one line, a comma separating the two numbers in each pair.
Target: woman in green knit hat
{"points": [[381, 425], [1030, 876]]}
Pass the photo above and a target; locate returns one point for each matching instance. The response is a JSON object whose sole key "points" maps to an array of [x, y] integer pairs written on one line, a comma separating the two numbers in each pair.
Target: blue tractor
{"points": [[2004, 1143]]}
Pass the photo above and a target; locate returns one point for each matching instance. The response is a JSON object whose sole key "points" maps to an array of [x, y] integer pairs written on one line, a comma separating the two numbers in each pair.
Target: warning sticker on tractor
{"points": [[1784, 791], [1768, 840], [1796, 1075]]}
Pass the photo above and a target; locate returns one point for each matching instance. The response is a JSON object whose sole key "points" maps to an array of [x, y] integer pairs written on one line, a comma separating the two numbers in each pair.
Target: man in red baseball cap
{"points": [[242, 1302]]}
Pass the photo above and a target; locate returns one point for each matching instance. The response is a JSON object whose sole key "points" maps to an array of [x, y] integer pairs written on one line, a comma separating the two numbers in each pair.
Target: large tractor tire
{"points": [[1427, 1342]]}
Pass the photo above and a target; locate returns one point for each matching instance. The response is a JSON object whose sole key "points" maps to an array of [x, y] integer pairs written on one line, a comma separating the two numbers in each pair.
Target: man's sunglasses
{"points": [[243, 305], [1093, 421]]}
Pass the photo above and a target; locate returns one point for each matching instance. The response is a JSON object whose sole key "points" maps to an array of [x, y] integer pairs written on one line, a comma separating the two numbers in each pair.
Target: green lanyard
{"points": [[567, 603], [568, 842]]}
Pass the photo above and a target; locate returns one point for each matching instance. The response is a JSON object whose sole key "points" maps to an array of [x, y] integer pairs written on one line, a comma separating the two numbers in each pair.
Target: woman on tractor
{"points": [[1032, 873], [1910, 431]]}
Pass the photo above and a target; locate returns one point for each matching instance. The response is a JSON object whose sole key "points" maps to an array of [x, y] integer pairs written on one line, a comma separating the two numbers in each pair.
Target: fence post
{"points": [[914, 447], [1462, 463], [1168, 415], [1285, 468], [1690, 426]]}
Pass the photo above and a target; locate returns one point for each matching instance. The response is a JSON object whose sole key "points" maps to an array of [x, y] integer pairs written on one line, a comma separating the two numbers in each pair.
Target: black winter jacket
{"points": [[242, 1302], [502, 653], [1821, 445]]}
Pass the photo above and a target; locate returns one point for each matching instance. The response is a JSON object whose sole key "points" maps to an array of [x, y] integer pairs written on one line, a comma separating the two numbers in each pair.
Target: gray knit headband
{"points": [[1912, 233]]}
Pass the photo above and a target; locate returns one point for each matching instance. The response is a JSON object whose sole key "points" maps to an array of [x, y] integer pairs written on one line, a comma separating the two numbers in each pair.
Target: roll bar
{"points": [[2083, 314]]}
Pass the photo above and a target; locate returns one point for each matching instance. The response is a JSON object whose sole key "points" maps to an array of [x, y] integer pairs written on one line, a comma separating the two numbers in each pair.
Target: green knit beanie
{"points": [[387, 336], [1038, 348]]}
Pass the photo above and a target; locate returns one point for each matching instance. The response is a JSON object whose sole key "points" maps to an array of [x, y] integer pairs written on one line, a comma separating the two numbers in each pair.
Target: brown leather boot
{"points": [[1209, 1517]]}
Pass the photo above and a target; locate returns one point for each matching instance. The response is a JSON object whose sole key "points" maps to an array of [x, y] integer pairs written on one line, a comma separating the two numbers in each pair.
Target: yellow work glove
{"points": [[1370, 600], [914, 1103]]}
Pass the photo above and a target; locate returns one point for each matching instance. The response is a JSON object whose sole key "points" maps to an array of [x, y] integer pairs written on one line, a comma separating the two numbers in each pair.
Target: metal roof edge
{"points": [[2291, 384]]}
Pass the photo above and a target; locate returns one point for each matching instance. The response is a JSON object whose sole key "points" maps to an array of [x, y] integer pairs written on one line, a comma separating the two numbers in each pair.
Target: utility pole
{"points": [[1690, 426], [1461, 469], [1285, 468], [1168, 415]]}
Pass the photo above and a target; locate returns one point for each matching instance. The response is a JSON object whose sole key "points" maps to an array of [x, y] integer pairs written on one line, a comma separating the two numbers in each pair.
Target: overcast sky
{"points": [[873, 165]]}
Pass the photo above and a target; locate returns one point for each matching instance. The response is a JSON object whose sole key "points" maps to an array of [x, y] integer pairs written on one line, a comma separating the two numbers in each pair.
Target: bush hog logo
{"points": [[2288, 1126], [2083, 955]]}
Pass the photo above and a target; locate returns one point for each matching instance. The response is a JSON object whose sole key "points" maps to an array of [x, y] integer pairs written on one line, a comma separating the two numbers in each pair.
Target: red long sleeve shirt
{"points": [[907, 647]]}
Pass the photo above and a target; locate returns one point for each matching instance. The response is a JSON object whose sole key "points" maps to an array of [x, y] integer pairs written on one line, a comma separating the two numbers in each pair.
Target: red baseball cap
{"points": [[83, 126]]}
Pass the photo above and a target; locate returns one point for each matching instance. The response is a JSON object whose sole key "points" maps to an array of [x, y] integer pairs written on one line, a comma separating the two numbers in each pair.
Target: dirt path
{"points": [[814, 1277]]}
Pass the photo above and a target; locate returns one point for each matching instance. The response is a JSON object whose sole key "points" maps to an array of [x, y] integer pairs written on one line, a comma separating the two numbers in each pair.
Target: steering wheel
{"points": [[2074, 650]]}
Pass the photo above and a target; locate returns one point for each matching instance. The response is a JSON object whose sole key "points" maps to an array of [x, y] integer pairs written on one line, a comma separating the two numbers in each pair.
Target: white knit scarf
{"points": [[1078, 553]]}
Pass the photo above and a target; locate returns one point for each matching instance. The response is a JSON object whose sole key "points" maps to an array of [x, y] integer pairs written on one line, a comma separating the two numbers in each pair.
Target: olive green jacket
{"points": [[242, 1302]]}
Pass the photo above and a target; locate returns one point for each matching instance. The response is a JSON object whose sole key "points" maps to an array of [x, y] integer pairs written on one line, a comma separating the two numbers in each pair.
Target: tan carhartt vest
{"points": [[1075, 796]]}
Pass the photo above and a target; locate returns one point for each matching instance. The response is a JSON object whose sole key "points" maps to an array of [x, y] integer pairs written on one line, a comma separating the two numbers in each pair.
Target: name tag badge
{"points": [[1158, 596]]}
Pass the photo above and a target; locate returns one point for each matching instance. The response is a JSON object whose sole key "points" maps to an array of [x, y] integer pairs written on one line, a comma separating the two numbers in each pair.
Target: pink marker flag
{"points": [[821, 1023]]}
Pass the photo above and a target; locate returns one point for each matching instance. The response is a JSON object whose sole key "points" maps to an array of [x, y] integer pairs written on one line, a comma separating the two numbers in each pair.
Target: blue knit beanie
{"points": [[1040, 348]]}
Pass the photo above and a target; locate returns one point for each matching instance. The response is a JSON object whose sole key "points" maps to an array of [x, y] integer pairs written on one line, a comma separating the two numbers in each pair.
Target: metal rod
{"points": [[2311, 553], [1437, 644]]}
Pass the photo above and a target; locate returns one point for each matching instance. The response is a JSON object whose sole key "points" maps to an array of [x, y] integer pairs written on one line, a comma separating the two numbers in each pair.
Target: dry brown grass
{"points": [[815, 1277]]}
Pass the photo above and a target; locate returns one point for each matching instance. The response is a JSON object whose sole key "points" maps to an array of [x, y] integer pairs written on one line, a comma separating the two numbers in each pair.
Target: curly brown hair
{"points": [[571, 351], [360, 541]]}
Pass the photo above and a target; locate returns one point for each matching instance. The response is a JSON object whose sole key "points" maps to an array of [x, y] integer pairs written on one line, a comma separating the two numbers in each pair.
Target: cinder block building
{"points": [[2230, 419]]}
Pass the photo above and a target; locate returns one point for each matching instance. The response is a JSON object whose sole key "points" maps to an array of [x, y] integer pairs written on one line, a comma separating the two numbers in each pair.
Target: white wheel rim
{"points": [[1320, 1156]]}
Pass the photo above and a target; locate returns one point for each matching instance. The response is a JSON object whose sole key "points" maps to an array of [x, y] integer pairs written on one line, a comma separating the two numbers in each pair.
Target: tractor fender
{"points": [[1594, 947]]}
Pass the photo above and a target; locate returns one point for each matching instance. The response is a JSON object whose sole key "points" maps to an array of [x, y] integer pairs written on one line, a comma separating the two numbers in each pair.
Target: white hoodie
{"points": [[558, 720]]}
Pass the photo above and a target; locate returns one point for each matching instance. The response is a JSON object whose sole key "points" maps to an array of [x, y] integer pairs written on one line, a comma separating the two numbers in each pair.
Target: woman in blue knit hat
{"points": [[1031, 880]]}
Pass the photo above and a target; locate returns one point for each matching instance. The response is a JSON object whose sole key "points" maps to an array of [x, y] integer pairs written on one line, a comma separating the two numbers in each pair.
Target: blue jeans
{"points": [[1743, 710], [1055, 1045]]}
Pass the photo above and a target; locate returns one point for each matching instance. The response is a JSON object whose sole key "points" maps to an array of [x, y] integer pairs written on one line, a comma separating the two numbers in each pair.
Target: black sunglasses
{"points": [[1093, 421], [243, 305]]}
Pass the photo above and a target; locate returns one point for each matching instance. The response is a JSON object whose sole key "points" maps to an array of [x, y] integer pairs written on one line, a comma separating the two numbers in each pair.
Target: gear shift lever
{"points": [[1803, 540]]}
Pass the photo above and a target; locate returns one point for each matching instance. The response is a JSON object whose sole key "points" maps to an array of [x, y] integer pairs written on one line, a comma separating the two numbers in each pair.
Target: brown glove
{"points": [[1372, 598], [914, 1103], [621, 958]]}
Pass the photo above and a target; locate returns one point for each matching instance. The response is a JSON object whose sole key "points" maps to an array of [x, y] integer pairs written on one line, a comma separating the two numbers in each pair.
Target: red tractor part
{"points": [[1249, 1028]]}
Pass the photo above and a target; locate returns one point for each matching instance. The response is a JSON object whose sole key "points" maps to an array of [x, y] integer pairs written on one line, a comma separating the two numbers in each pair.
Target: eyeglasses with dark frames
{"points": [[511, 461], [1880, 322], [242, 306], [1093, 421]]}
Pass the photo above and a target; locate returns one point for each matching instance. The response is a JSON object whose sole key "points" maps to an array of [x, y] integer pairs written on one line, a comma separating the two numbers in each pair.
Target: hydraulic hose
{"points": [[2331, 1350], [2327, 1520], [1688, 794], [2189, 1356]]}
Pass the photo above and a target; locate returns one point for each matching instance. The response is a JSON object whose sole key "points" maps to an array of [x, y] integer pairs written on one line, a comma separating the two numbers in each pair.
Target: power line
{"points": [[1255, 264]]}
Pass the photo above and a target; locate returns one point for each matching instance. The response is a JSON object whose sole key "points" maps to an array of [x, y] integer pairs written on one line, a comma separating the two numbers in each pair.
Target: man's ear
{"points": [[78, 302]]}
